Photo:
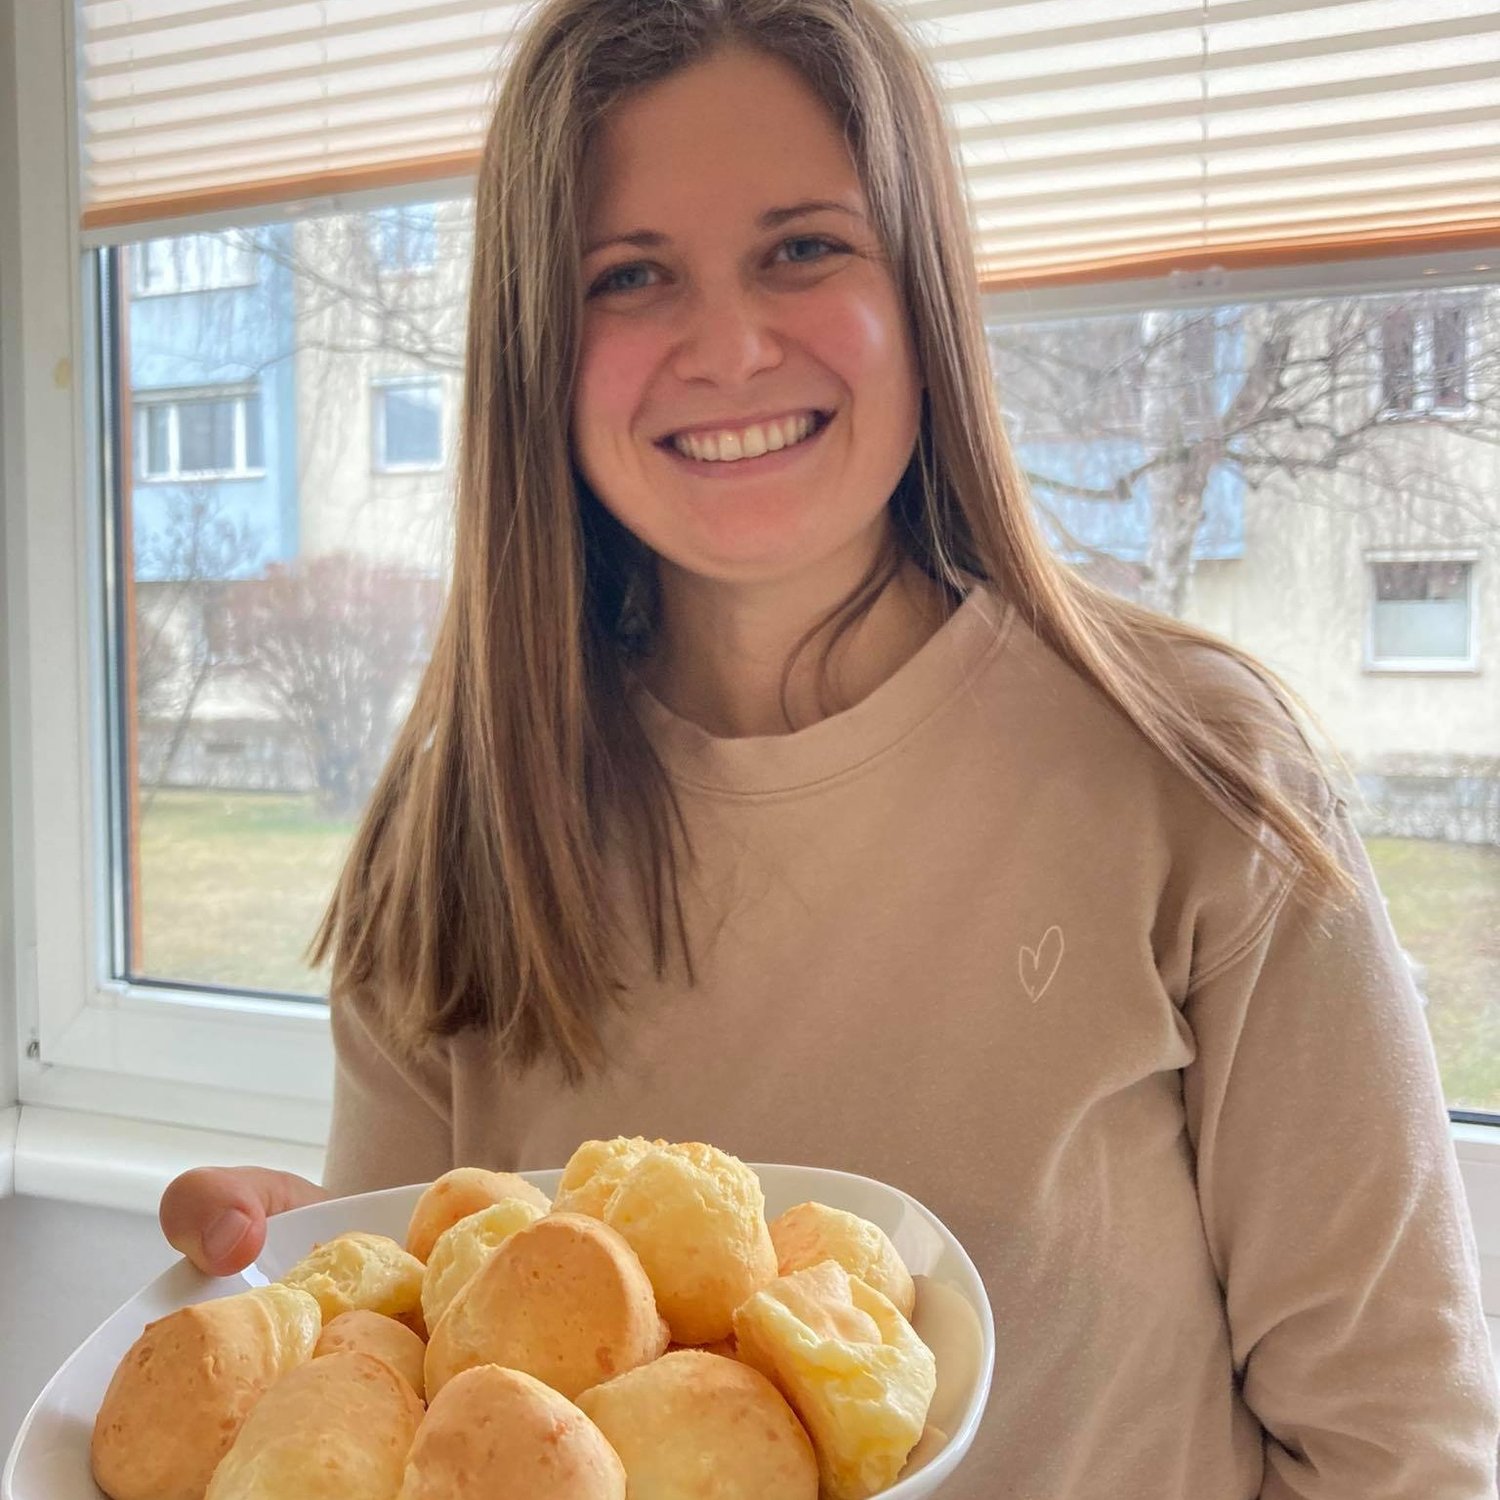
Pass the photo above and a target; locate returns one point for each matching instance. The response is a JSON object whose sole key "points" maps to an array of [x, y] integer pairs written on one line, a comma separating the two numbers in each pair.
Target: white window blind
{"points": [[1100, 137]]}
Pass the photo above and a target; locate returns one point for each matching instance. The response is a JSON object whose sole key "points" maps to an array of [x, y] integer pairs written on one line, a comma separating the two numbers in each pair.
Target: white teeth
{"points": [[749, 442]]}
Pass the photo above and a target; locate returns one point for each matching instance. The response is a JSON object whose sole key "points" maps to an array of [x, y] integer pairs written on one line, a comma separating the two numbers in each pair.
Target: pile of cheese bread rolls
{"points": [[647, 1336]]}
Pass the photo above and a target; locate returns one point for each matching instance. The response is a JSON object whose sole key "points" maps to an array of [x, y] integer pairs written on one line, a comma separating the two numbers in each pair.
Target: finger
{"points": [[216, 1216]]}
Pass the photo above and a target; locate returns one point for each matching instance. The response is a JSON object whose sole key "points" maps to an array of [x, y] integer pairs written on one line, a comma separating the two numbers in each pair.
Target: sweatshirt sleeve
{"points": [[1333, 1207], [392, 1116]]}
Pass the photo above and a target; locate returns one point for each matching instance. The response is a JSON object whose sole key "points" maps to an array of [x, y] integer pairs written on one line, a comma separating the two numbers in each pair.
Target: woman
{"points": [[803, 804]]}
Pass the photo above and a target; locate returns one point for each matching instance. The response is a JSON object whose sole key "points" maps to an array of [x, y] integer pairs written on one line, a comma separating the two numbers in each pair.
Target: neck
{"points": [[724, 650]]}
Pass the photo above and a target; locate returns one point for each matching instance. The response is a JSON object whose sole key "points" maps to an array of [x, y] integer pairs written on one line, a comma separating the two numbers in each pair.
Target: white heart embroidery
{"points": [[1038, 966]]}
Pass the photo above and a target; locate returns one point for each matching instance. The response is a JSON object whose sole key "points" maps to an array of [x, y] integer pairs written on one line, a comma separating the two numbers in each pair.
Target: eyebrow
{"points": [[649, 239]]}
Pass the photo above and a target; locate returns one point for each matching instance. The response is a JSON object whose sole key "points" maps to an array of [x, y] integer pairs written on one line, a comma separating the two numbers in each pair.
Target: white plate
{"points": [[50, 1458]]}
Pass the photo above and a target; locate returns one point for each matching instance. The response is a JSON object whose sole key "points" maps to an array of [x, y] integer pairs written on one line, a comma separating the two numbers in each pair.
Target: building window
{"points": [[199, 435], [194, 263], [1422, 614], [408, 423], [405, 237], [1424, 358]]}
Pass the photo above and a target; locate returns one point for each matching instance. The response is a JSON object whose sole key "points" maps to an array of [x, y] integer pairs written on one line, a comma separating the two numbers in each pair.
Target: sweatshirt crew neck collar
{"points": [[769, 764]]}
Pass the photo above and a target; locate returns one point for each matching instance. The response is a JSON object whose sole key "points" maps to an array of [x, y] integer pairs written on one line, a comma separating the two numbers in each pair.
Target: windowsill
{"points": [[137, 293], [378, 470], [212, 477], [117, 1162], [1421, 669], [113, 1162]]}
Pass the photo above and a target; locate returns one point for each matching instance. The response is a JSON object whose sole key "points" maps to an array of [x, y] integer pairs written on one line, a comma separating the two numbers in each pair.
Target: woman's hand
{"points": [[216, 1216]]}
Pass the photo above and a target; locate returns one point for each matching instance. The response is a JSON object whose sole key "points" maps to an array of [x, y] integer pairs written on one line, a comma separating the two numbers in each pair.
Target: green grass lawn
{"points": [[1445, 905], [234, 885]]}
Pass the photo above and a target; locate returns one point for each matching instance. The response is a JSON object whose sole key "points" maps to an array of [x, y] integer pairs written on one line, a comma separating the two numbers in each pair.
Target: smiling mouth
{"points": [[819, 420]]}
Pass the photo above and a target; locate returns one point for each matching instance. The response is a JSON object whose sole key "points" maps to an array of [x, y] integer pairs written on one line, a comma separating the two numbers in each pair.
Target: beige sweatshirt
{"points": [[976, 938]]}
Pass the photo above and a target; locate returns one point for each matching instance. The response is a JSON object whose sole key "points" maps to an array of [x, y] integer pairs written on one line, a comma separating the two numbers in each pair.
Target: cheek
{"points": [[614, 370], [862, 339]]}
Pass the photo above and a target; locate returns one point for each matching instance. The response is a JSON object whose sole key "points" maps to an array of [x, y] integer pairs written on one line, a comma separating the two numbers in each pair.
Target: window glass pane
{"points": [[1398, 359], [254, 447], [413, 424], [156, 452], [282, 596], [1418, 628], [1230, 466], [1450, 356], [205, 437], [152, 261]]}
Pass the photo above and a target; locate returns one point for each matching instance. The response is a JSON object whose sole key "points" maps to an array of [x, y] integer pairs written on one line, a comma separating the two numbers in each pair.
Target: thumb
{"points": [[216, 1216]]}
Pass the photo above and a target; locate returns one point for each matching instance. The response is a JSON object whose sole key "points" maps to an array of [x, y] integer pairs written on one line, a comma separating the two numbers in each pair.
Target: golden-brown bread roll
{"points": [[692, 1425], [457, 1194], [852, 1367], [336, 1429], [186, 1385], [365, 1332], [813, 1232], [564, 1299], [696, 1217], [595, 1170], [718, 1346], [494, 1434], [359, 1270], [465, 1246]]}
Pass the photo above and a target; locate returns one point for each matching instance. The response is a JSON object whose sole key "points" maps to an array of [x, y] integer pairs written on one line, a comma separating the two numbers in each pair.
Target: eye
{"points": [[831, 246], [609, 282]]}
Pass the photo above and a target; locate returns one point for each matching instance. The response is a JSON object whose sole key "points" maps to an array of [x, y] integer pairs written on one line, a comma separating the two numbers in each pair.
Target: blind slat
{"points": [[1132, 133], [165, 31]]}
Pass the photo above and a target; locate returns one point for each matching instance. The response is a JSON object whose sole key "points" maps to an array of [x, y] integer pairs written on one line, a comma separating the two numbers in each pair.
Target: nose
{"points": [[726, 338]]}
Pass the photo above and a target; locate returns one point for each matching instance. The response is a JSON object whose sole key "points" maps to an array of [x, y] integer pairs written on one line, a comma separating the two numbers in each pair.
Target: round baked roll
{"points": [[365, 1332], [595, 1170], [695, 1426], [359, 1270], [494, 1434], [338, 1428], [564, 1299], [697, 1218], [465, 1246], [186, 1385], [813, 1232], [852, 1368], [457, 1194]]}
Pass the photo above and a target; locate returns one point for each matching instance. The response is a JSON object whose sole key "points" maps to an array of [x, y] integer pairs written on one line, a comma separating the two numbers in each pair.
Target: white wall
{"points": [[10, 467]]}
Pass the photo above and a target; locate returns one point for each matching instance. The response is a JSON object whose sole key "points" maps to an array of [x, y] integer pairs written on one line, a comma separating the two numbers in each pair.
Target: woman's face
{"points": [[738, 307]]}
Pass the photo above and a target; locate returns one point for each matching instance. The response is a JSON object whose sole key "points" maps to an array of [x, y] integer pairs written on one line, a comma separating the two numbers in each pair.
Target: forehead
{"points": [[741, 130]]}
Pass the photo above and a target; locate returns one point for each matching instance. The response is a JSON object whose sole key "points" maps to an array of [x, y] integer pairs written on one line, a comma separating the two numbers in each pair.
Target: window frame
{"points": [[1426, 666], [87, 1042], [259, 1066]]}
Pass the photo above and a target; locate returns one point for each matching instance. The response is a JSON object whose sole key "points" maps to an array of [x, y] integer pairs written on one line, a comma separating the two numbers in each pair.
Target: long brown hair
{"points": [[474, 894]]}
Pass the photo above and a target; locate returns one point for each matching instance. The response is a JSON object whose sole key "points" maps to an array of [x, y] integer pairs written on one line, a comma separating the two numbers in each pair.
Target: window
{"points": [[199, 435], [1238, 500], [193, 263], [1421, 615], [408, 423], [1425, 358], [405, 237]]}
